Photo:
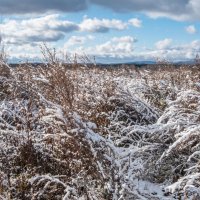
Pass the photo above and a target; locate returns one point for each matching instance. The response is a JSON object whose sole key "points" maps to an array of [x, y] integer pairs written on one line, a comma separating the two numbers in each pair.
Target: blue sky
{"points": [[110, 30]]}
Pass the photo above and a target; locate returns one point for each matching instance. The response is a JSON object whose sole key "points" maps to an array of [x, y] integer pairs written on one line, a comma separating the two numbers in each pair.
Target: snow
{"points": [[127, 135]]}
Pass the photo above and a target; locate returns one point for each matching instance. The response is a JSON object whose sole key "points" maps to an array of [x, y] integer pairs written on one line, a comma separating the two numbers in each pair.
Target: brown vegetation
{"points": [[71, 131]]}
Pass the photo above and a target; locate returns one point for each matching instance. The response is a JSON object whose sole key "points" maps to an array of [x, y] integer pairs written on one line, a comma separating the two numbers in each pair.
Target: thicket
{"points": [[78, 131]]}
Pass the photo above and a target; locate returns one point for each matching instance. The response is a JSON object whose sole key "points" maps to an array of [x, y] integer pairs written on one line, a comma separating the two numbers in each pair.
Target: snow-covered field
{"points": [[92, 133]]}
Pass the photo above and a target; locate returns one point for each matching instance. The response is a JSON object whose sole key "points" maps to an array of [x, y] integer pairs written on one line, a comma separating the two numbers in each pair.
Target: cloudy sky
{"points": [[110, 30]]}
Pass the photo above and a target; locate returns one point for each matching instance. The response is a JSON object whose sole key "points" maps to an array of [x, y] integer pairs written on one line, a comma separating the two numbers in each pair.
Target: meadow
{"points": [[86, 132]]}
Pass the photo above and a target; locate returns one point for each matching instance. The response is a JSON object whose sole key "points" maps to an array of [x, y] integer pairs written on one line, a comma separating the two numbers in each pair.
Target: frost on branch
{"points": [[73, 131]]}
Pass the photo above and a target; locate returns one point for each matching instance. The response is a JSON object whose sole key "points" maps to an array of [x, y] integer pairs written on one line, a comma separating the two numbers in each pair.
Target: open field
{"points": [[98, 133]]}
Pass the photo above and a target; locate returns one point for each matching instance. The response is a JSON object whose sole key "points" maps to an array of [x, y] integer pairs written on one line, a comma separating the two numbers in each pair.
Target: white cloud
{"points": [[173, 53], [31, 53], [102, 25], [43, 29], [195, 45], [163, 44], [77, 40], [117, 47], [52, 28], [191, 29], [135, 22], [123, 48]]}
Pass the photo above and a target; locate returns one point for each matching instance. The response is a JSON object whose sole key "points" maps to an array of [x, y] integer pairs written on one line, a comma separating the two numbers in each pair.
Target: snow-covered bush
{"points": [[77, 131]]}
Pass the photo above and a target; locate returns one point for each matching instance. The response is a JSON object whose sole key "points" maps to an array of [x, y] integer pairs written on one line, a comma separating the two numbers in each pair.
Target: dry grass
{"points": [[77, 131]]}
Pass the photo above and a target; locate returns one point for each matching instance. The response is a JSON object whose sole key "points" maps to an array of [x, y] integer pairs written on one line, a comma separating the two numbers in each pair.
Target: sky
{"points": [[107, 30]]}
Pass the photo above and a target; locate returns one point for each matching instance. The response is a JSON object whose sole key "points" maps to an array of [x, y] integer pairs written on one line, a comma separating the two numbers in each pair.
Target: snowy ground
{"points": [[93, 133]]}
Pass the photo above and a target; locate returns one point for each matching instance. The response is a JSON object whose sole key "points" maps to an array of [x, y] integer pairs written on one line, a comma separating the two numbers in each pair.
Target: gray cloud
{"points": [[40, 6], [49, 38], [144, 5], [175, 9], [67, 28]]}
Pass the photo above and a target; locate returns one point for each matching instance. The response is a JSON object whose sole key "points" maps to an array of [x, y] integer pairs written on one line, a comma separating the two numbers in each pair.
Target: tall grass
{"points": [[72, 131]]}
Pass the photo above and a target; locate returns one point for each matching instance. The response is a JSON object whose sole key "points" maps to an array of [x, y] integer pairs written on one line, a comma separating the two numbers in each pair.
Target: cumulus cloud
{"points": [[135, 22], [122, 49], [41, 6], [74, 40], [117, 47], [52, 28], [195, 45], [17, 53], [163, 44], [77, 40], [102, 25], [43, 29], [191, 29], [172, 52], [178, 10]]}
